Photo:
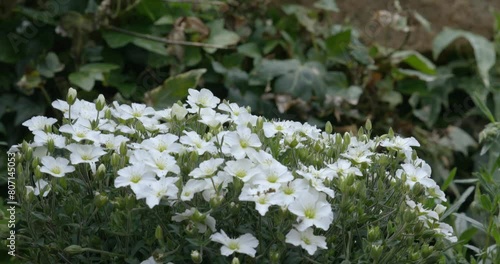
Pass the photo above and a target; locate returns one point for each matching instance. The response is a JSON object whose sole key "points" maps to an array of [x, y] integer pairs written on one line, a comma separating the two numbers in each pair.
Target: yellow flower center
{"points": [[233, 245], [241, 174], [135, 178], [310, 213], [56, 170]]}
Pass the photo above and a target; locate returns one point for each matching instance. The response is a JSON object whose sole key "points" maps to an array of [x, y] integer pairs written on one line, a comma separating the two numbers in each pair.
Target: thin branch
{"points": [[219, 3], [163, 40]]}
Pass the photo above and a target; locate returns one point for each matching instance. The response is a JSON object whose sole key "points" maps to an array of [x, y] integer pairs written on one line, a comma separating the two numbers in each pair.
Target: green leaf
{"points": [[329, 5], [482, 106], [50, 65], [455, 206], [153, 46], [484, 50], [302, 81], [82, 79], [250, 50], [458, 139], [338, 43], [99, 67], [116, 39], [165, 20], [449, 179], [220, 36], [303, 15], [269, 69], [467, 235], [472, 221], [415, 60], [486, 202], [173, 89]]}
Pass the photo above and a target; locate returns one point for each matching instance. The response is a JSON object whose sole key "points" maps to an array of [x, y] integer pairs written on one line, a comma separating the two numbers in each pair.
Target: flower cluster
{"points": [[207, 154]]}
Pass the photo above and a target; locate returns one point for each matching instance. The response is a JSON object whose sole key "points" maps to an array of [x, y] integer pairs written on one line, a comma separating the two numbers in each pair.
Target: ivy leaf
{"points": [[116, 39], [338, 43], [302, 14], [50, 65], [153, 46], [83, 80], [329, 5], [220, 36], [414, 59], [458, 139], [484, 50], [87, 75], [173, 89]]}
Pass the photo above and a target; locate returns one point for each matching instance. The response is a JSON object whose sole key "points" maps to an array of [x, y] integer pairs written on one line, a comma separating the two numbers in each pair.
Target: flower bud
{"points": [[101, 172], [373, 234], [25, 146], [235, 260], [50, 146], [100, 102], [123, 148], [274, 256], [426, 250], [100, 200], [38, 173], [159, 233], [107, 114], [260, 123], [391, 133], [376, 251], [328, 127], [28, 154], [440, 209], [368, 125], [71, 97], [347, 139], [196, 257], [74, 249], [178, 111], [115, 161]]}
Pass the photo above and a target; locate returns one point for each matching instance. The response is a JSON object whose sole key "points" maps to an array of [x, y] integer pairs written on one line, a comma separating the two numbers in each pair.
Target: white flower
{"points": [[290, 191], [447, 231], [84, 153], [161, 163], [133, 176], [272, 176], [399, 143], [241, 142], [207, 168], [360, 153], [271, 128], [211, 118], [194, 141], [342, 168], [56, 167], [243, 169], [150, 260], [414, 175], [201, 99], [41, 187], [436, 193], [192, 187], [244, 244], [177, 111], [262, 196], [307, 240], [112, 142], [316, 178], [153, 191], [42, 139], [138, 111], [312, 209], [163, 142], [202, 221], [81, 130], [39, 123]]}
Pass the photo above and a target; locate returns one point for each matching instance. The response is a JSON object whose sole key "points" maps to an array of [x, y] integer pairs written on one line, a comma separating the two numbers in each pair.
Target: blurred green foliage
{"points": [[283, 60]]}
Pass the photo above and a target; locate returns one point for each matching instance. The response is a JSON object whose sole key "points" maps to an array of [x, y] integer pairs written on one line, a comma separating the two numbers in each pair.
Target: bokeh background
{"points": [[426, 69]]}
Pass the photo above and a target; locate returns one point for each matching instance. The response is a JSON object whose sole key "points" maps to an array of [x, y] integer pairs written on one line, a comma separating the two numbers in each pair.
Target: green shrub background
{"points": [[284, 61]]}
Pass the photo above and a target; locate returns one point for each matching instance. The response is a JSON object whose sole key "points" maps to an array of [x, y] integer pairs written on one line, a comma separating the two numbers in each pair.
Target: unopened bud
{"points": [[328, 127], [100, 102], [107, 114], [71, 97], [260, 123], [368, 125], [101, 172], [196, 257], [74, 249], [115, 160], [38, 173], [159, 233], [100, 200], [235, 260], [123, 148], [373, 234], [51, 146]]}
